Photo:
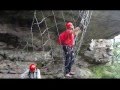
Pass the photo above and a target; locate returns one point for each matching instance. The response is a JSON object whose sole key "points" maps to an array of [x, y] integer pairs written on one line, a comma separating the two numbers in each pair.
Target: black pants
{"points": [[69, 58]]}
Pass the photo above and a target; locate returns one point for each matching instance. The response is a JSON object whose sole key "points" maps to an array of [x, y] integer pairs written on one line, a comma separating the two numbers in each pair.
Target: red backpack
{"points": [[61, 38]]}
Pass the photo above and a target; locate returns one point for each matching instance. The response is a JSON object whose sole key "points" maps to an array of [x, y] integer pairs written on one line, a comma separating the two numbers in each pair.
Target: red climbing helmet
{"points": [[68, 25], [32, 67]]}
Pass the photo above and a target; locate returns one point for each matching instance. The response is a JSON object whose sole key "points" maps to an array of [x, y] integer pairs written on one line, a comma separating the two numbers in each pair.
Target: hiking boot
{"points": [[72, 73], [68, 75]]}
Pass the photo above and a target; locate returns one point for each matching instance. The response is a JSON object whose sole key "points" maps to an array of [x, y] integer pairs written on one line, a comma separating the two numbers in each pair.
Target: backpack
{"points": [[61, 38]]}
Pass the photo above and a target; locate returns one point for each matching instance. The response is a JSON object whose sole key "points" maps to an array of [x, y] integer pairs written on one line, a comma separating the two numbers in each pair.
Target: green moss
{"points": [[103, 71]]}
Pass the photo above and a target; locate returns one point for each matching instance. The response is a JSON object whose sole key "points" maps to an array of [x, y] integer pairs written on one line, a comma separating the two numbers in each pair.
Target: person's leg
{"points": [[72, 59], [67, 59]]}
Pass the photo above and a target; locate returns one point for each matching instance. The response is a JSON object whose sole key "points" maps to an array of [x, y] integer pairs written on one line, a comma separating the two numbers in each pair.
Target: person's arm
{"points": [[76, 31], [38, 74], [25, 73]]}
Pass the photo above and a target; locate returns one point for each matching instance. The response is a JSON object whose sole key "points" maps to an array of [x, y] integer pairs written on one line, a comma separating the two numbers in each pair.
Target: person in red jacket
{"points": [[67, 40]]}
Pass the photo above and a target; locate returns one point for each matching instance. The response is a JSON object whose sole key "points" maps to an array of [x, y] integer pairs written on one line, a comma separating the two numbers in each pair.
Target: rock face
{"points": [[82, 73], [100, 51], [24, 56], [104, 21], [103, 25], [12, 69]]}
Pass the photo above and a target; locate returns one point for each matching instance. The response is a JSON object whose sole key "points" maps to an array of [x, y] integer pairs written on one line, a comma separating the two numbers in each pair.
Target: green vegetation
{"points": [[109, 71], [116, 51], [104, 71]]}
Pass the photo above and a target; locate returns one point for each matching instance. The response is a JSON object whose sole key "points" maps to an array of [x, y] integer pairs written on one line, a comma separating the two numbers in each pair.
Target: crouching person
{"points": [[32, 73]]}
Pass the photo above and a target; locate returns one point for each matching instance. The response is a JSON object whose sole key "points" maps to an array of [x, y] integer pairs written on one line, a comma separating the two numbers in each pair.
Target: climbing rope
{"points": [[84, 22]]}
